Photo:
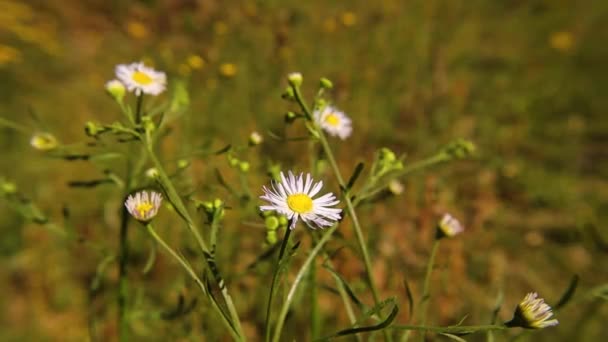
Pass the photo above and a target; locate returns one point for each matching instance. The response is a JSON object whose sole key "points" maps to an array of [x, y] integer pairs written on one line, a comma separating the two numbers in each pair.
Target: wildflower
{"points": [[152, 173], [196, 62], [532, 313], [44, 141], [395, 187], [116, 89], [295, 79], [141, 79], [293, 197], [143, 207], [333, 121], [562, 41], [228, 70], [255, 138], [448, 227], [137, 29]]}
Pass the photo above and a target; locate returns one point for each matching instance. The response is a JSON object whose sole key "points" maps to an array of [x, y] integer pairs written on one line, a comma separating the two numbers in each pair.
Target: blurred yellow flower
{"points": [[228, 69], [562, 41], [9, 54], [44, 141], [196, 62], [136, 29], [220, 28], [349, 19]]}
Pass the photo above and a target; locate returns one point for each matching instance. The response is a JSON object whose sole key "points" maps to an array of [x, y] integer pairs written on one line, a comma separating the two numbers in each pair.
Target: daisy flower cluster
{"points": [[138, 78], [294, 197]]}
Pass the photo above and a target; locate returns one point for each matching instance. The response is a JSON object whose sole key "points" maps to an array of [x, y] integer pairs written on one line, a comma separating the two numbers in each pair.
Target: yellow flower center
{"points": [[142, 78], [332, 120], [143, 208], [300, 203]]}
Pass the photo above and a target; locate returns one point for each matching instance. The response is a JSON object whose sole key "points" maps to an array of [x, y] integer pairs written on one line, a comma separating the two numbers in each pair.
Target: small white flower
{"points": [[141, 79], [533, 313], [449, 226], [333, 121], [143, 207], [293, 197]]}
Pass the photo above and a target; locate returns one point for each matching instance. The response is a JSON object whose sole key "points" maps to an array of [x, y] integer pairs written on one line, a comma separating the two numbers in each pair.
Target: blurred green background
{"points": [[525, 80]]}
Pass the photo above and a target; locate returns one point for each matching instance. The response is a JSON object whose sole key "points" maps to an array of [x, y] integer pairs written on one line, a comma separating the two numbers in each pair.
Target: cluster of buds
{"points": [[236, 163], [213, 209], [273, 221], [459, 149], [386, 161]]}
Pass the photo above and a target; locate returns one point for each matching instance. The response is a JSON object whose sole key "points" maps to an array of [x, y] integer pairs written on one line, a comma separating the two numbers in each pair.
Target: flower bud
{"points": [[294, 79], [183, 163], [44, 141], [152, 173], [92, 129], [116, 90], [272, 223], [460, 149], [288, 94], [244, 166], [255, 139], [290, 117], [325, 83]]}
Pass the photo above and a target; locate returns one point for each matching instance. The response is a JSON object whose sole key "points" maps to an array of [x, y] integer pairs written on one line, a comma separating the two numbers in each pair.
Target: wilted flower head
{"points": [[448, 227], [44, 141], [293, 197], [141, 79], [532, 313], [333, 121], [143, 207]]}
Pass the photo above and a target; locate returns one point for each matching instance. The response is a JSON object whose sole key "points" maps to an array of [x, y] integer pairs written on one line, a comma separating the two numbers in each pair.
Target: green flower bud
{"points": [[272, 223], [288, 94], [234, 162], [460, 149], [283, 221], [244, 166], [387, 155], [290, 117], [218, 203], [271, 237], [325, 83], [7, 187], [295, 79], [148, 124], [44, 141], [92, 129], [152, 173], [116, 90], [255, 139], [183, 163]]}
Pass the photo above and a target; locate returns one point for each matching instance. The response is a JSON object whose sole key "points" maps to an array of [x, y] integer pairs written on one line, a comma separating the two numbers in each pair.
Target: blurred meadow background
{"points": [[524, 80]]}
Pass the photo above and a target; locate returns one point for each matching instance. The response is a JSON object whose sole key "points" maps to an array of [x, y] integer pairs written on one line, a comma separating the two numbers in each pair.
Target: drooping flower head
{"points": [[532, 313], [333, 121], [293, 197], [143, 207], [140, 79], [448, 226]]}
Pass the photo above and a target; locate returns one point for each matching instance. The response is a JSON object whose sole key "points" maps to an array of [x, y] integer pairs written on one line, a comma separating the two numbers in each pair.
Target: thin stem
{"points": [[193, 275], [274, 280], [349, 204], [123, 250], [140, 100], [426, 287], [298, 279], [459, 329]]}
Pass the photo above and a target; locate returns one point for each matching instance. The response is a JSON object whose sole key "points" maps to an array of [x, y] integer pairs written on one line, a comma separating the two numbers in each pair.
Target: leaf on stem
{"points": [[568, 293], [354, 177], [385, 323]]}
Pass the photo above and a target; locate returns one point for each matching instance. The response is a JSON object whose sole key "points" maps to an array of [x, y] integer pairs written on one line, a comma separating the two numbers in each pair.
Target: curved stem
{"points": [[427, 281], [274, 280], [298, 279], [459, 329]]}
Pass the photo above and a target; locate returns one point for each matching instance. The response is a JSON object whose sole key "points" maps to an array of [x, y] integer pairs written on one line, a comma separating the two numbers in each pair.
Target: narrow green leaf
{"points": [[354, 177], [347, 287], [410, 297], [385, 323], [453, 337], [568, 293]]}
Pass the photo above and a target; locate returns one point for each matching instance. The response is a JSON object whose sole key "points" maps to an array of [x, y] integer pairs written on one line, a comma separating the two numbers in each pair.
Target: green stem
{"points": [[349, 204], [140, 100], [301, 273], [193, 275], [123, 257], [426, 295], [274, 280], [183, 212], [460, 329]]}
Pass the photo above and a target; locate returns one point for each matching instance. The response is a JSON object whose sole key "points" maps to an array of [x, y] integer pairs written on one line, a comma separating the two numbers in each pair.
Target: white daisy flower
{"points": [[293, 197], [333, 121], [141, 79], [532, 313], [449, 226], [142, 206]]}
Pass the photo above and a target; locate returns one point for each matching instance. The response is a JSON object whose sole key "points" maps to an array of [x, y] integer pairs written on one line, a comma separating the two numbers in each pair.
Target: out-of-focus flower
{"points": [[44, 141], [141, 79], [532, 313], [136, 29], [295, 79], [228, 69], [152, 173], [395, 187], [349, 19], [293, 197], [255, 139], [144, 207], [333, 121], [448, 227], [562, 41], [196, 62]]}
